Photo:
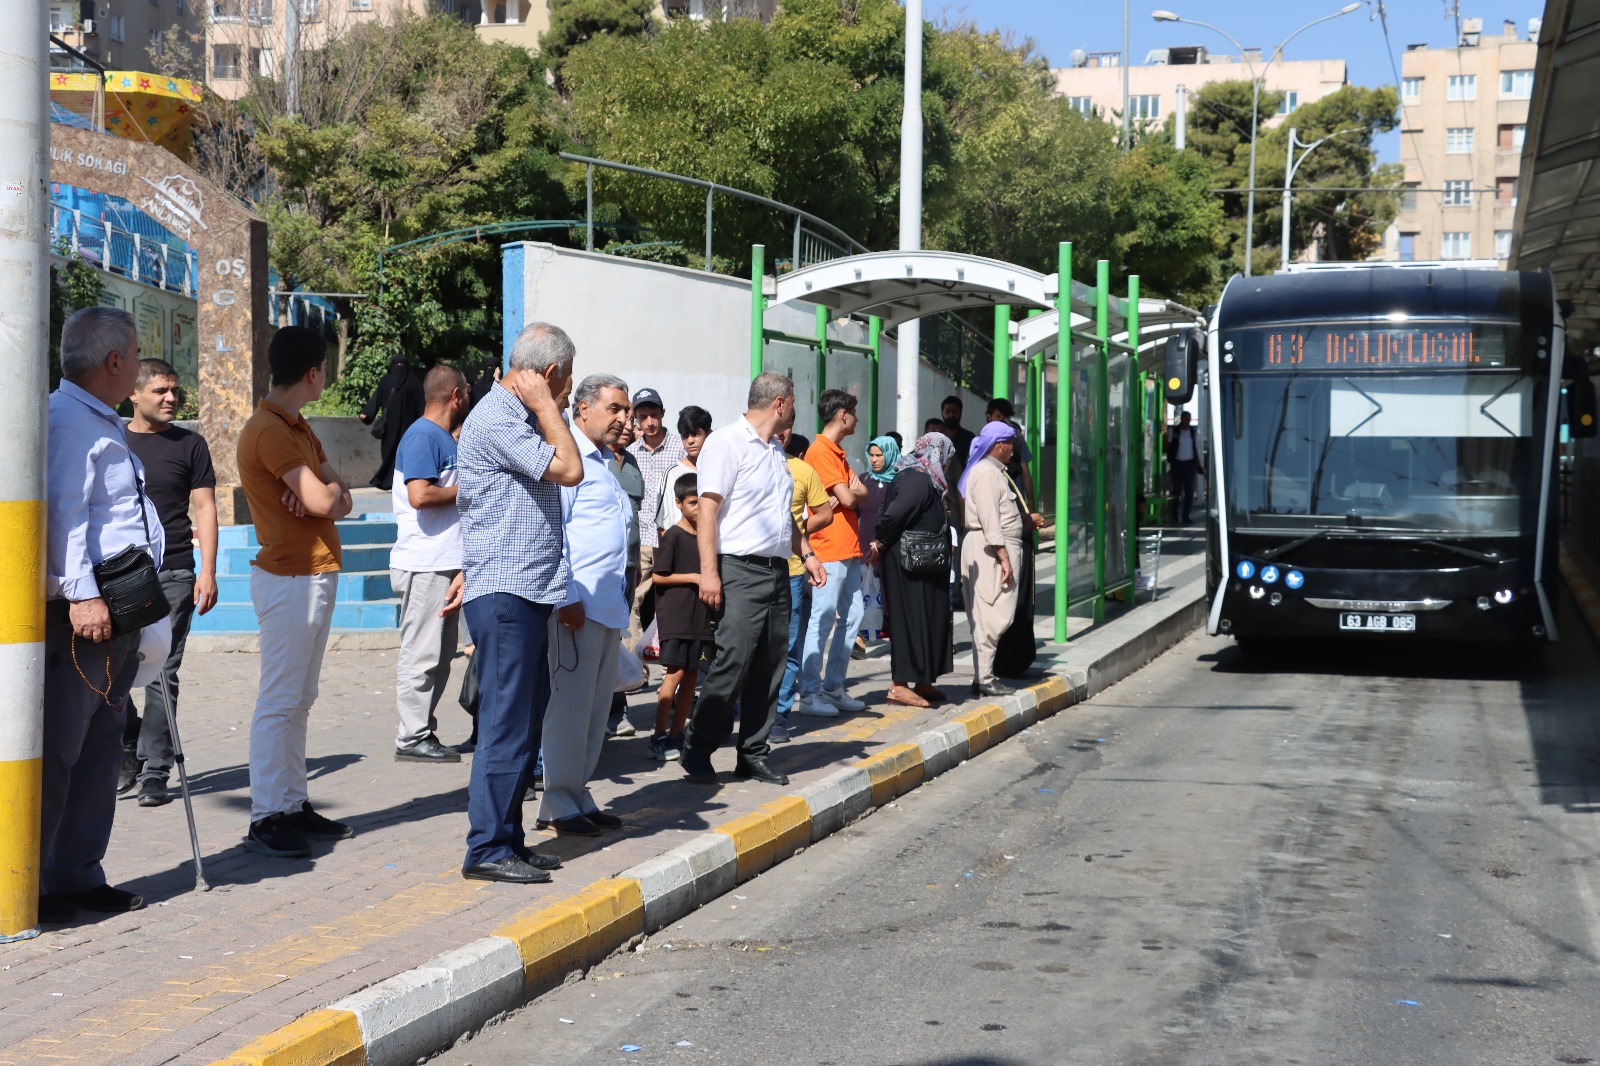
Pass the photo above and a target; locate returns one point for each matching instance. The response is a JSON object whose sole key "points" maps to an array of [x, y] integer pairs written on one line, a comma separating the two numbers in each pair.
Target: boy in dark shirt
{"points": [[684, 623]]}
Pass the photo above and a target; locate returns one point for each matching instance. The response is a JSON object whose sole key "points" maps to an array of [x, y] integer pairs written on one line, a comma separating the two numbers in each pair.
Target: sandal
{"points": [[931, 693], [906, 697]]}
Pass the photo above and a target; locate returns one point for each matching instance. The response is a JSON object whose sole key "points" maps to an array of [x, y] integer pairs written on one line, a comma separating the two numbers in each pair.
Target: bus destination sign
{"points": [[1423, 347]]}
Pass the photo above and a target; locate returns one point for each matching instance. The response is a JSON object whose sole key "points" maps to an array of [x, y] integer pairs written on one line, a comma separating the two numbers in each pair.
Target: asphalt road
{"points": [[1342, 857]]}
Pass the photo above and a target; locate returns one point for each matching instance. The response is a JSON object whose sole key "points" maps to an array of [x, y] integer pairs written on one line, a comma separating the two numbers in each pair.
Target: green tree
{"points": [[74, 285], [573, 22], [1168, 224]]}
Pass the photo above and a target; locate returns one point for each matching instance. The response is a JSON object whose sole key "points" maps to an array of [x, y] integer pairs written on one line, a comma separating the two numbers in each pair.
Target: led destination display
{"points": [[1422, 347]]}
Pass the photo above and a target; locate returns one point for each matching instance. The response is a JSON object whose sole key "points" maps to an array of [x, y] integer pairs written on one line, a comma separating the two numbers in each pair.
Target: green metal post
{"points": [[822, 358], [1135, 433], [1063, 438], [1002, 351], [758, 310], [874, 334], [1102, 330]]}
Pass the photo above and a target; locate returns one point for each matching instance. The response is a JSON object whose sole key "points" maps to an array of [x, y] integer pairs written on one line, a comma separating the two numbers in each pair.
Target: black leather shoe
{"points": [[993, 688], [512, 871], [758, 769], [57, 908], [107, 900], [466, 747], [428, 749], [697, 768], [538, 861], [153, 792], [604, 819], [128, 772], [576, 825]]}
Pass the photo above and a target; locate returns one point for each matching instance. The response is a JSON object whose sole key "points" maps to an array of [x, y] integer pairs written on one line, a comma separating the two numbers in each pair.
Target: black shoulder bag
{"points": [[128, 580], [926, 553]]}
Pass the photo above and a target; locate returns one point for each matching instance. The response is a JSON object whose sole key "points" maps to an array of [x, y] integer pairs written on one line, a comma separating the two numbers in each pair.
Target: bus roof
{"points": [[1383, 292]]}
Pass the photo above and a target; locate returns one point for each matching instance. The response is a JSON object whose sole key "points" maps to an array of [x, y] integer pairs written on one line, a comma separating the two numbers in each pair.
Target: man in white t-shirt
{"points": [[425, 564]]}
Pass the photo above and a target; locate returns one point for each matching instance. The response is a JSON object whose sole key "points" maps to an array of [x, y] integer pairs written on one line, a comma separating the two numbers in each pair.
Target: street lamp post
{"points": [[1255, 101], [1291, 164]]}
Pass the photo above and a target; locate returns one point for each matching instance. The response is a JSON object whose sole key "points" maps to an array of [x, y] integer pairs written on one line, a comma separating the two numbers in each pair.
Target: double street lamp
{"points": [[1292, 164], [1255, 100]]}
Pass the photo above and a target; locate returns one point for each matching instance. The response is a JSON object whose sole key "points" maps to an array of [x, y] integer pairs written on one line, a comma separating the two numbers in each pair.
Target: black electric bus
{"points": [[1381, 452]]}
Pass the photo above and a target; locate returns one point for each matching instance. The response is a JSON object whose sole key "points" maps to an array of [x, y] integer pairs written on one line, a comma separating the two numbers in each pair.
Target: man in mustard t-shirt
{"points": [[809, 495], [295, 496]]}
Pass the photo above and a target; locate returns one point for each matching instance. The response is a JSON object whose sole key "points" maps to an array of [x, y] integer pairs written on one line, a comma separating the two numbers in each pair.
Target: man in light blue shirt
{"points": [[95, 507], [598, 517]]}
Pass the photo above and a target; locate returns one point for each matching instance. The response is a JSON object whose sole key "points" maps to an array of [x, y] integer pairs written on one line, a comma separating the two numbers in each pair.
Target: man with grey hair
{"points": [[514, 457], [95, 509], [746, 532], [597, 517]]}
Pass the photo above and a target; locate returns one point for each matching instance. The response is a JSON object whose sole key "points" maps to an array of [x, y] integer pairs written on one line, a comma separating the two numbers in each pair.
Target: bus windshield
{"points": [[1443, 451]]}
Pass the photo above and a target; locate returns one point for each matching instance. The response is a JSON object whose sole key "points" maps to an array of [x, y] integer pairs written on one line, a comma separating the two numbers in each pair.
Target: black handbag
{"points": [[129, 583], [926, 553]]}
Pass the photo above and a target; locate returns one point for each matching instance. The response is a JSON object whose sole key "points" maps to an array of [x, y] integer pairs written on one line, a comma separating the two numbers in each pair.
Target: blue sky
{"points": [[1059, 26]]}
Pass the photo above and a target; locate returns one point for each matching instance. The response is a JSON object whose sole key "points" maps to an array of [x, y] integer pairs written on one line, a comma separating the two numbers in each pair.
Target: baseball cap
{"points": [[648, 396]]}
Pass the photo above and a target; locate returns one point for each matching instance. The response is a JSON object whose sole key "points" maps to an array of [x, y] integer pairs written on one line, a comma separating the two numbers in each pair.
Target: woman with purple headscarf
{"points": [[916, 605], [991, 549]]}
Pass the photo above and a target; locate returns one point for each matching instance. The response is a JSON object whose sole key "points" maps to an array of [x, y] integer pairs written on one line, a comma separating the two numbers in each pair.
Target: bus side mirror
{"points": [[1182, 361], [1581, 415]]}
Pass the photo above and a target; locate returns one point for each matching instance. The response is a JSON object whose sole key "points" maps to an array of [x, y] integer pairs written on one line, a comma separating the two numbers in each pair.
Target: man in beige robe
{"points": [[993, 520]]}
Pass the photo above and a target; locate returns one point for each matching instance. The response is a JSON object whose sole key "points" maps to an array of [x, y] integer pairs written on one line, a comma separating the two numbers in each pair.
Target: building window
{"points": [[156, 43], [1458, 194], [1144, 107], [1502, 244], [61, 18], [1462, 87], [310, 10], [1408, 198], [1411, 90], [1083, 105], [1291, 101], [1457, 246], [1511, 137], [360, 5], [1505, 191], [181, 8], [1516, 84], [261, 63], [260, 11], [1458, 140], [1408, 247], [225, 62], [227, 9], [116, 27]]}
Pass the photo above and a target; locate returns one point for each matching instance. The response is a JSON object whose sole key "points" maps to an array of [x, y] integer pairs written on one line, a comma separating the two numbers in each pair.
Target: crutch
{"points": [[183, 781]]}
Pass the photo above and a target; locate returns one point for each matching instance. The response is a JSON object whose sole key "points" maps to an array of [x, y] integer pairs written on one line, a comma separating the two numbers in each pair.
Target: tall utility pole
{"points": [[1127, 125], [24, 347], [291, 57], [907, 362]]}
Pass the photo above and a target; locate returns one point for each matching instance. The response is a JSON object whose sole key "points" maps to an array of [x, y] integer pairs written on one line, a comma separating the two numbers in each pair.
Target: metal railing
{"points": [[123, 252]]}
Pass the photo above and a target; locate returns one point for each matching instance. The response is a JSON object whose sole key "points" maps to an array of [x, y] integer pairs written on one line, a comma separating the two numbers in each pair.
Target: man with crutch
{"points": [[178, 479]]}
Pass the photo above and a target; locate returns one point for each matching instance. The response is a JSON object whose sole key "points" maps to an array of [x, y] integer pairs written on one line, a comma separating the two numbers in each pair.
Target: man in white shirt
{"points": [[425, 564], [597, 518], [747, 533], [95, 508]]}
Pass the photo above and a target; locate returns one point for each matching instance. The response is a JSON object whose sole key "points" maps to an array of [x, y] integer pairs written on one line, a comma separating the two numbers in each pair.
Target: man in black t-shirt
{"points": [[178, 477]]}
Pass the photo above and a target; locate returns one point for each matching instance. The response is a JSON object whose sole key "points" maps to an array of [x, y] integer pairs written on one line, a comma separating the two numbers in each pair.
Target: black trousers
{"points": [[752, 649], [1183, 487]]}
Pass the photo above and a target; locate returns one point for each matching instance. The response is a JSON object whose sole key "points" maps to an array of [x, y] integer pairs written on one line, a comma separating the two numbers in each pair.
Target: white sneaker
{"points": [[815, 706], [839, 699]]}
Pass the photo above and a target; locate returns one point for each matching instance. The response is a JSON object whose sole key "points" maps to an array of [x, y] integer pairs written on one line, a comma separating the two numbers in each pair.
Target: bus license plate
{"points": [[1379, 623]]}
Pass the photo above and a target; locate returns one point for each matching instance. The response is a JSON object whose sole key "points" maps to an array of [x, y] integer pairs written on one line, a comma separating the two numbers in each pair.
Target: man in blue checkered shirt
{"points": [[515, 454]]}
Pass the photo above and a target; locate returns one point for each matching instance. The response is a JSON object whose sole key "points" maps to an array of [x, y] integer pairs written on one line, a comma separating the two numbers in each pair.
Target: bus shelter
{"points": [[1095, 409]]}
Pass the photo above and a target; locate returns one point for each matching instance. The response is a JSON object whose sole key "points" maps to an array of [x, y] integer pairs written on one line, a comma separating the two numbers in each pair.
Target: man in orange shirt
{"points": [[295, 496], [836, 607]]}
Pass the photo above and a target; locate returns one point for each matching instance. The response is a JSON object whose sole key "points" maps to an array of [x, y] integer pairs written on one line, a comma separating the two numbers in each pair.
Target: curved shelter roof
{"points": [[1157, 318], [902, 286], [1558, 211]]}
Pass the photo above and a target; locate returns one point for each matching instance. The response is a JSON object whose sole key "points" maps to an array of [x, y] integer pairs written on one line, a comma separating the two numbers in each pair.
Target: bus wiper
{"points": [[1470, 553], [1273, 553]]}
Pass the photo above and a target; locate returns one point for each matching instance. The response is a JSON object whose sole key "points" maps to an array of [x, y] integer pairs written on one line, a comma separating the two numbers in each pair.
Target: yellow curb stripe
{"points": [[893, 771], [21, 571], [321, 1038], [19, 844], [1052, 695], [985, 725], [577, 931], [769, 834]]}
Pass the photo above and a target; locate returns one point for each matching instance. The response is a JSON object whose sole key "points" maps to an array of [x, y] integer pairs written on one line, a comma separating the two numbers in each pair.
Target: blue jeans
{"points": [[514, 689], [836, 611], [799, 615]]}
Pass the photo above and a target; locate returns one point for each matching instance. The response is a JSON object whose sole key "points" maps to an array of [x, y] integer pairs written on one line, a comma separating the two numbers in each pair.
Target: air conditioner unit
{"points": [[88, 27]]}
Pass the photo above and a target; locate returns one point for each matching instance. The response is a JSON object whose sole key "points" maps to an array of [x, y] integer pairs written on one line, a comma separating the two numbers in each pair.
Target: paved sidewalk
{"points": [[195, 975]]}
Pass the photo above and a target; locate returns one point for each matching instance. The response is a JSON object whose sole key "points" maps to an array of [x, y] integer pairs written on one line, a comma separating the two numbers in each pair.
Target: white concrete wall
{"points": [[686, 334]]}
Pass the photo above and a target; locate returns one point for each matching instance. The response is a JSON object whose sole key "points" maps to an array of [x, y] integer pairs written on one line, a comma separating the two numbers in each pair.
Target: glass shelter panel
{"points": [[1119, 523], [1087, 382]]}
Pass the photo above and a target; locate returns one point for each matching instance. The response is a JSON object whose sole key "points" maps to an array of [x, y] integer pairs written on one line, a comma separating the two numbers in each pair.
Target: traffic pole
{"points": [[24, 346]]}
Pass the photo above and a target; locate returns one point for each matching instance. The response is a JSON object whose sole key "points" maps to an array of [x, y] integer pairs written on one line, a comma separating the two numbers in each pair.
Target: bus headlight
{"points": [[1275, 599], [1503, 597], [1483, 603], [1256, 592]]}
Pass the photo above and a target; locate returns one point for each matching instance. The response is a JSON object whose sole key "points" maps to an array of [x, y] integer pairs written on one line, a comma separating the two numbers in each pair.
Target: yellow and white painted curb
{"points": [[422, 1011]]}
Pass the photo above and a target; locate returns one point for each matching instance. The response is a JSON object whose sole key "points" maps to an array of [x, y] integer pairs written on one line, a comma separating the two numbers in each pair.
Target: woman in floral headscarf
{"points": [[917, 604]]}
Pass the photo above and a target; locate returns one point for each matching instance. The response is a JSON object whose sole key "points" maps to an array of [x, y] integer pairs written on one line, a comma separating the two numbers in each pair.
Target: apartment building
{"points": [[122, 34], [1463, 112], [1093, 84]]}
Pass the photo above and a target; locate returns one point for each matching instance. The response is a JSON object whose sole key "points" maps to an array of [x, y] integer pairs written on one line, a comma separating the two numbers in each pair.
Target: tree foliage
{"points": [[572, 22]]}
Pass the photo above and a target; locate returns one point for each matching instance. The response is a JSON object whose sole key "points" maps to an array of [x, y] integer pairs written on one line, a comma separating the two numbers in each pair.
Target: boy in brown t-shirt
{"points": [[688, 638], [295, 496]]}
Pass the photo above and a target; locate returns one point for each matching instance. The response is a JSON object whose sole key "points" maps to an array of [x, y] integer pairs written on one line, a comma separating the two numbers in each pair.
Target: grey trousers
{"points": [[583, 675], [151, 735], [82, 750], [427, 644], [752, 652]]}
